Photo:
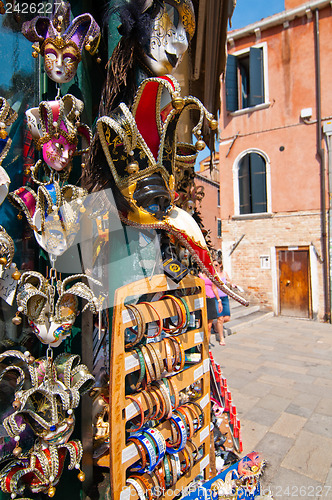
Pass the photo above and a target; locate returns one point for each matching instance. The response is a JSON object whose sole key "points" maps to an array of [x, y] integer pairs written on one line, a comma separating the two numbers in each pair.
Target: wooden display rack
{"points": [[121, 456]]}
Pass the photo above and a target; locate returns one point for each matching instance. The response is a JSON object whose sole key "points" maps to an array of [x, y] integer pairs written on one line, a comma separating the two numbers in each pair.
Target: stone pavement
{"points": [[280, 375]]}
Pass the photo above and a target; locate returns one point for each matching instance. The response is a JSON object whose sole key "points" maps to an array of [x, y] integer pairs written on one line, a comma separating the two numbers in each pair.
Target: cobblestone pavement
{"points": [[280, 375]]}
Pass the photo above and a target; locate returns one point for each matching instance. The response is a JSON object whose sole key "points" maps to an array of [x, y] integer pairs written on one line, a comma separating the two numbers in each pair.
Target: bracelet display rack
{"points": [[123, 362]]}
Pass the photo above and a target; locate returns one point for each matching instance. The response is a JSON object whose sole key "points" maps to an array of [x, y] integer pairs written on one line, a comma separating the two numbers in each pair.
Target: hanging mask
{"points": [[61, 41], [173, 28]]}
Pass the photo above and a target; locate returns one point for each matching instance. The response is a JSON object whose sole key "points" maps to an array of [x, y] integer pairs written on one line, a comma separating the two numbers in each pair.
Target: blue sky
{"points": [[250, 11]]}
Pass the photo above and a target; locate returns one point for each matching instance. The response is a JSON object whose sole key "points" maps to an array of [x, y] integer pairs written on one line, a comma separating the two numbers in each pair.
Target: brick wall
{"points": [[279, 230]]}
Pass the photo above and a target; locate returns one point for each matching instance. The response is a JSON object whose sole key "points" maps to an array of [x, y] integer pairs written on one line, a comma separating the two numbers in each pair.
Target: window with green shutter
{"points": [[244, 80], [252, 184]]}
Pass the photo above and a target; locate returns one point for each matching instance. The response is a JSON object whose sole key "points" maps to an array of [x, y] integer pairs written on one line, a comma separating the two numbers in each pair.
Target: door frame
{"points": [[311, 277]]}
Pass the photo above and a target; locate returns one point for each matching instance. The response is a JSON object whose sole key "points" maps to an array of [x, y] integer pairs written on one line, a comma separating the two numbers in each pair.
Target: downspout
{"points": [[320, 154]]}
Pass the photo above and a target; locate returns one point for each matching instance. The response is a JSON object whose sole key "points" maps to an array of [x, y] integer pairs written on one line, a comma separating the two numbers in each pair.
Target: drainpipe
{"points": [[320, 154]]}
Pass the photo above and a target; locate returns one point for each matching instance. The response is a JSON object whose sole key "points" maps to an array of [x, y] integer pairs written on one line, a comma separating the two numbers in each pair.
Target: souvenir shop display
{"points": [[159, 431]]}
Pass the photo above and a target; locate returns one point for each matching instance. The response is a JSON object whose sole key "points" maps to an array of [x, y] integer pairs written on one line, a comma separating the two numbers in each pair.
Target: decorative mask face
{"points": [[61, 61], [58, 152], [173, 28]]}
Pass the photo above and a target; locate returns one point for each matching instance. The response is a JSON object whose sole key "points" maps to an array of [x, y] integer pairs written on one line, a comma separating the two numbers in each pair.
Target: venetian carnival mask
{"points": [[7, 117], [55, 127], [173, 28], [61, 41], [52, 322]]}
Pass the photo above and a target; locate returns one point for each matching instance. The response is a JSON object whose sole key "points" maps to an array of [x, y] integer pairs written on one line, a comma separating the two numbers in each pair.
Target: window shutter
{"points": [[258, 183], [231, 84], [244, 186], [256, 75]]}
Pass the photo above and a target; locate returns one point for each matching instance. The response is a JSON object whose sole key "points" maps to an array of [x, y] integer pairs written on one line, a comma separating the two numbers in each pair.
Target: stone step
{"points": [[235, 325], [239, 312]]}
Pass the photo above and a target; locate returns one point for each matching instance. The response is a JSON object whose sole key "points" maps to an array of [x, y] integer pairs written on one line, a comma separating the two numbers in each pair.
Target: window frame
{"points": [[236, 189], [266, 103]]}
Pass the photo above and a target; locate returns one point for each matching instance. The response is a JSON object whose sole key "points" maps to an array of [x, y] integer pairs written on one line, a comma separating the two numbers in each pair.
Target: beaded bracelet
{"points": [[159, 441]]}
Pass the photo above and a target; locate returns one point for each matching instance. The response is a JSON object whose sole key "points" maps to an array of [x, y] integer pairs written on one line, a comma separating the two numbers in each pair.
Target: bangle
{"points": [[181, 428], [175, 400], [156, 359], [166, 397], [149, 448], [157, 395], [219, 300], [142, 453], [167, 472], [158, 321], [150, 373], [177, 344], [145, 483], [169, 357], [156, 400], [140, 323], [159, 441], [181, 312], [186, 412], [135, 484], [132, 398]]}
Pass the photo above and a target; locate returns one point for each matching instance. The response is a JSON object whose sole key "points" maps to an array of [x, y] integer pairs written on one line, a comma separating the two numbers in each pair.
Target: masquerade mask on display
{"points": [[52, 322], [47, 408], [140, 148], [7, 118], [173, 28], [53, 212], [61, 42], [55, 127]]}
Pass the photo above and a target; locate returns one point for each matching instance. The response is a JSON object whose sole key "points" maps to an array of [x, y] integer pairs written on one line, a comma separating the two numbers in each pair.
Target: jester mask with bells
{"points": [[53, 211], [7, 118], [140, 147], [61, 41], [53, 321], [47, 393]]}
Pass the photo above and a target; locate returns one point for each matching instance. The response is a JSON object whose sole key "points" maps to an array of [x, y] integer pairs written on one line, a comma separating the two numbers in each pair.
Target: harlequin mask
{"points": [[140, 146], [55, 126], [51, 322], [61, 41], [173, 28]]}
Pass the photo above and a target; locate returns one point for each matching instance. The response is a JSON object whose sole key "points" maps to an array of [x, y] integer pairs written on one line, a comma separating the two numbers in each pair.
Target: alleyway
{"points": [[280, 375]]}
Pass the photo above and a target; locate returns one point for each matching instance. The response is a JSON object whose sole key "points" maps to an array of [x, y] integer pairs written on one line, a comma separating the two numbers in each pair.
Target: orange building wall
{"points": [[295, 171], [210, 211]]}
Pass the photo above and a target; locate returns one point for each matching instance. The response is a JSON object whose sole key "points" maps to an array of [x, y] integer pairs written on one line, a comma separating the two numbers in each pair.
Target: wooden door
{"points": [[294, 289]]}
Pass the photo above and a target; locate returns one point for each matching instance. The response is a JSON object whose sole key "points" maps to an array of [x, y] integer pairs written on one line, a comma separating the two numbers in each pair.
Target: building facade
{"points": [[276, 107]]}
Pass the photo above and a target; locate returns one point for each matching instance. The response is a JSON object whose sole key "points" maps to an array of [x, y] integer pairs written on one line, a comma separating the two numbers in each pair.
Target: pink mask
{"points": [[58, 153]]}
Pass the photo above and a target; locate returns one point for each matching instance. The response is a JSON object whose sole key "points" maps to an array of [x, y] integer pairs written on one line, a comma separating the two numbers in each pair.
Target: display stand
{"points": [[122, 456]]}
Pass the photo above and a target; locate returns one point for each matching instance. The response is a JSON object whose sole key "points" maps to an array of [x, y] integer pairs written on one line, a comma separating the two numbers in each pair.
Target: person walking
{"points": [[224, 315], [213, 301]]}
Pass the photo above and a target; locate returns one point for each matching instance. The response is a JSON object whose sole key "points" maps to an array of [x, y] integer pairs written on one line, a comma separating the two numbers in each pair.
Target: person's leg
{"points": [[220, 330]]}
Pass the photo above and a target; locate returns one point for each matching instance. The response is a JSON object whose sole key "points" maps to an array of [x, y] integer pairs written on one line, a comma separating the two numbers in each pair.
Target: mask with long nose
{"points": [[173, 28]]}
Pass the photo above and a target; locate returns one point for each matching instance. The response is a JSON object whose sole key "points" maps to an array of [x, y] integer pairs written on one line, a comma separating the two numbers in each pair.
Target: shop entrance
{"points": [[294, 282]]}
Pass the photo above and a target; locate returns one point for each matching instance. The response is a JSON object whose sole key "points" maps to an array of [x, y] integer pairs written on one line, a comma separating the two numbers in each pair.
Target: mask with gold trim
{"points": [[52, 321], [7, 118], [61, 41], [47, 407], [172, 30], [141, 148]]}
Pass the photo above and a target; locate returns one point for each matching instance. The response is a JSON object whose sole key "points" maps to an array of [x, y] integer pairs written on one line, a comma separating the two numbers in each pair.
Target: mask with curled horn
{"points": [[140, 147], [47, 393], [61, 41], [51, 320]]}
